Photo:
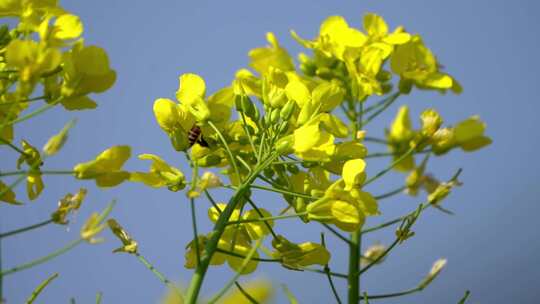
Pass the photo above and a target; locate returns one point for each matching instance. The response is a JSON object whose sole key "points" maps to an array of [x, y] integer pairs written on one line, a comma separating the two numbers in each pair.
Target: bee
{"points": [[195, 136]]}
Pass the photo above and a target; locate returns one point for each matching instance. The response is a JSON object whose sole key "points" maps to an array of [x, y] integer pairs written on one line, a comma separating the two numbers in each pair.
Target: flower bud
{"points": [[433, 273], [274, 116], [285, 145], [287, 110]]}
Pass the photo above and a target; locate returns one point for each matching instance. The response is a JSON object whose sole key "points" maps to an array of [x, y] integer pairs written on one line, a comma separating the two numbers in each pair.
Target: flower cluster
{"points": [[45, 52]]}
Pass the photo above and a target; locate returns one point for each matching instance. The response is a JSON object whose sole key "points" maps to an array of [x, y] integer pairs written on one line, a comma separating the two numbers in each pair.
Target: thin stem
{"points": [[375, 140], [377, 104], [23, 100], [390, 193], [212, 201], [158, 274], [245, 293], [283, 191], [384, 154], [328, 276], [44, 259], [379, 257], [12, 146], [331, 282], [394, 221], [40, 288], [336, 233], [195, 232], [224, 142], [265, 219], [334, 274], [393, 295], [392, 165], [31, 114], [1, 276], [245, 262], [465, 297], [261, 218], [250, 138], [44, 172], [238, 255], [24, 229], [390, 101]]}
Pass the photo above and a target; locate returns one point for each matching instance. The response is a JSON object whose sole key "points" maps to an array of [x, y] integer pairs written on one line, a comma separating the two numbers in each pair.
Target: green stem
{"points": [[40, 288], [99, 296], [229, 152], [219, 228], [245, 262], [261, 218], [379, 257], [44, 259], [24, 100], [392, 165], [158, 274], [354, 266], [384, 154], [390, 193], [238, 255], [395, 294], [12, 146], [390, 101], [264, 219], [1, 276], [375, 140], [45, 172], [245, 293], [283, 191], [31, 114], [336, 233], [394, 221], [24, 229]]}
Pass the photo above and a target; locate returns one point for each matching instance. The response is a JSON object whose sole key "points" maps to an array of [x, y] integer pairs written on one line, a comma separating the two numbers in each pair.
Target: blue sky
{"points": [[491, 243]]}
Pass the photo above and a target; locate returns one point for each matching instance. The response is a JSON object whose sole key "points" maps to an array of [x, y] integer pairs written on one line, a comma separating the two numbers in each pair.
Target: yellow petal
{"points": [[375, 25], [192, 86], [353, 173], [68, 27]]}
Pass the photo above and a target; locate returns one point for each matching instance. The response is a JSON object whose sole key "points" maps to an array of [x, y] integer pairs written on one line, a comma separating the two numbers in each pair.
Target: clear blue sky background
{"points": [[491, 244]]}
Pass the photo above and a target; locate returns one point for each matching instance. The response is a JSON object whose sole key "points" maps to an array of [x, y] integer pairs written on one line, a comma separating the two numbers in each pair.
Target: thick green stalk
{"points": [[354, 267], [219, 227]]}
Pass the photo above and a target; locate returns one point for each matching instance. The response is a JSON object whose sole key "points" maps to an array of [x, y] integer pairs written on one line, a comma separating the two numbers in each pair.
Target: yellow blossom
{"points": [[353, 173], [345, 209], [272, 56], [106, 169], [299, 255], [161, 174], [86, 70]]}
